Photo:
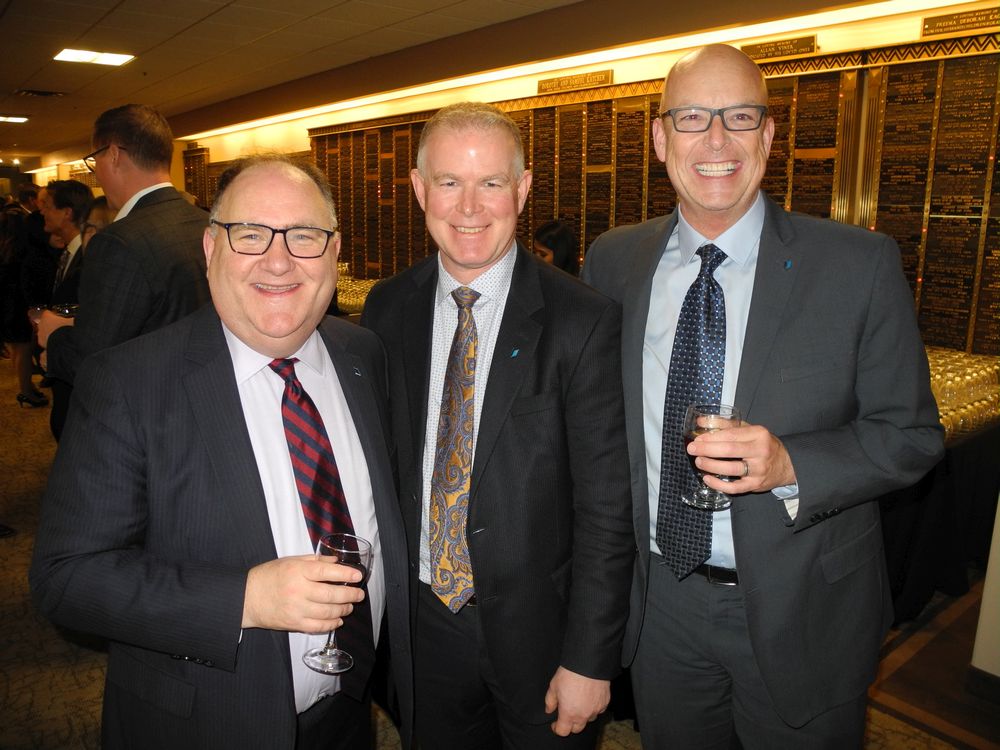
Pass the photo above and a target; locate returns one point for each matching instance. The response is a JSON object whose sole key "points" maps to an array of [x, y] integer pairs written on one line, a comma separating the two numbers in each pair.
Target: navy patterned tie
{"points": [[697, 363], [325, 509]]}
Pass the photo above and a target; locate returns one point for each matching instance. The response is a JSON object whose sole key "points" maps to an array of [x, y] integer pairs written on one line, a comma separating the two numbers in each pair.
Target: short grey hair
{"points": [[468, 116]]}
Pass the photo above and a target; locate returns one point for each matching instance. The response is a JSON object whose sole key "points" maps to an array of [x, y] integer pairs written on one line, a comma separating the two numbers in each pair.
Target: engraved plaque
{"points": [[570, 163], [966, 126], [599, 133], [543, 165], [629, 166], [598, 205], [986, 334], [816, 111], [949, 270], [660, 195], [780, 103]]}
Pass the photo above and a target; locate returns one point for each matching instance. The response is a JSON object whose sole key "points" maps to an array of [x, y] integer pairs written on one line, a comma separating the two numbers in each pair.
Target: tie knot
{"points": [[285, 368], [465, 297], [711, 258]]}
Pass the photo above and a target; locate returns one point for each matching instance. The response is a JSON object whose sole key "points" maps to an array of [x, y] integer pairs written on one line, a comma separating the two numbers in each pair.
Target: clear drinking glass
{"points": [[699, 419], [354, 552]]}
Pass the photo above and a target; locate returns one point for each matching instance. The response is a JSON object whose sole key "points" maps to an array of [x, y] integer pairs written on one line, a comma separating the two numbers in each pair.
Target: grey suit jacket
{"points": [[142, 273], [834, 366], [155, 512], [549, 518]]}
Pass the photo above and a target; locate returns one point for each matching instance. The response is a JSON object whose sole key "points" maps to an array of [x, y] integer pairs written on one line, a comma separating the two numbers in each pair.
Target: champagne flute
{"points": [[698, 420], [354, 552]]}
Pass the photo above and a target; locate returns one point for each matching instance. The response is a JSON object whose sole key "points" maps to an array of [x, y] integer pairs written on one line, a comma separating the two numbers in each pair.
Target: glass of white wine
{"points": [[698, 420]]}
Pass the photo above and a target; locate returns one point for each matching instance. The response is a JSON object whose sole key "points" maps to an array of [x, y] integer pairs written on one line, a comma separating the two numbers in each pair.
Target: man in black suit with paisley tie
{"points": [[507, 416]]}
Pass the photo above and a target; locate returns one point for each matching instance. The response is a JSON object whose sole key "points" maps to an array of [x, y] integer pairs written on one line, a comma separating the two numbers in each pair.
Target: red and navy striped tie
{"points": [[325, 508], [316, 476]]}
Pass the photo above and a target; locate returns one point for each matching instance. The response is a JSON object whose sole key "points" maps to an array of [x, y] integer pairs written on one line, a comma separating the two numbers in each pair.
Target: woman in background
{"points": [[556, 243]]}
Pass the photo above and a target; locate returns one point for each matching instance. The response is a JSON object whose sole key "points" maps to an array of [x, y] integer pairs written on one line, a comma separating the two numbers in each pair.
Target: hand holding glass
{"points": [[698, 420], [354, 552]]}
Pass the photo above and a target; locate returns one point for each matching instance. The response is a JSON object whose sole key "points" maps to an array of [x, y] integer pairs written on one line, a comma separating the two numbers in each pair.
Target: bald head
{"points": [[695, 71]]}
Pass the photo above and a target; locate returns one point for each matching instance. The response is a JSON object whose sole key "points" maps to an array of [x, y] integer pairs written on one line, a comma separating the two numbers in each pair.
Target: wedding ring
{"points": [[746, 469]]}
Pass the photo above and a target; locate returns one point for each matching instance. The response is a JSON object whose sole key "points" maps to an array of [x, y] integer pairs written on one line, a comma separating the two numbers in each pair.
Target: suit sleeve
{"points": [[115, 301], [95, 568], [603, 546], [894, 436]]}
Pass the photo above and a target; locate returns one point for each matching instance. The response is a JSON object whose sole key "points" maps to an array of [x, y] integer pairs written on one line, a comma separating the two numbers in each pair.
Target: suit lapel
{"points": [[355, 381], [418, 324], [218, 415], [635, 312], [513, 355], [778, 262]]}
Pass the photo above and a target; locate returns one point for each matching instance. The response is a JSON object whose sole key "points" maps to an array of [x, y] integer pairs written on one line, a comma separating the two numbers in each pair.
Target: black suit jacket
{"points": [[155, 512], [142, 272], [67, 290], [549, 512], [833, 365]]}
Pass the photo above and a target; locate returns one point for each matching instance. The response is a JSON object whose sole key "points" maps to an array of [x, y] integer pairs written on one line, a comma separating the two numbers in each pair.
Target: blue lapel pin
{"points": [[514, 353], [788, 264]]}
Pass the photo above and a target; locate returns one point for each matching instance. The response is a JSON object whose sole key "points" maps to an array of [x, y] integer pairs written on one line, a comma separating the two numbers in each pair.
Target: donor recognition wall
{"points": [[902, 140]]}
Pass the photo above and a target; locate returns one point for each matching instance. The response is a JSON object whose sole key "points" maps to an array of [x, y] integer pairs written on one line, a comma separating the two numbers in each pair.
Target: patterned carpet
{"points": [[51, 681]]}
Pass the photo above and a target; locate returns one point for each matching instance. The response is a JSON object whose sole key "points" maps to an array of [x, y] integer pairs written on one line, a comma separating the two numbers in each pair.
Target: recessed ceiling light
{"points": [[12, 118], [98, 58]]}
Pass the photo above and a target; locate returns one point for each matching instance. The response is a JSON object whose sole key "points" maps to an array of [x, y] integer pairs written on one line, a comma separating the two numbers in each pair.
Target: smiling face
{"points": [[274, 301], [716, 173], [471, 197]]}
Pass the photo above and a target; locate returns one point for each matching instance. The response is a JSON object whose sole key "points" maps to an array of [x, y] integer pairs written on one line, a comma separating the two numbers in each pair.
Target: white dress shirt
{"points": [[493, 286], [130, 203], [260, 390], [678, 267]]}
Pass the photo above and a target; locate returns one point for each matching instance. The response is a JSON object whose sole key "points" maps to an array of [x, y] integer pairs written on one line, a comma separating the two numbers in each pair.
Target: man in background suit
{"points": [[64, 203], [147, 269], [173, 523], [512, 460], [772, 628]]}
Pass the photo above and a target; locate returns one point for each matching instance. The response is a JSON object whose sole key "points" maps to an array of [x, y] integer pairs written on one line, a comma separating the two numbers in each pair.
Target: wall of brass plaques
{"points": [[901, 139]]}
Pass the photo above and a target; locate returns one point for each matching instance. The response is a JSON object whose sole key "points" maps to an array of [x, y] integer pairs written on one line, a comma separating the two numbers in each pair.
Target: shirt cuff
{"points": [[789, 495]]}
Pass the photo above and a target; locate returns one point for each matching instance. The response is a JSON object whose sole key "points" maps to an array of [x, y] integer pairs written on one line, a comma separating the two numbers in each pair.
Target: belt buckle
{"points": [[716, 581]]}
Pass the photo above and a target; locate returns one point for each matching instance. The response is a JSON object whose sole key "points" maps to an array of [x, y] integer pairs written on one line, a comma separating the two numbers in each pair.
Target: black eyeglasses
{"points": [[699, 119], [91, 159], [255, 239]]}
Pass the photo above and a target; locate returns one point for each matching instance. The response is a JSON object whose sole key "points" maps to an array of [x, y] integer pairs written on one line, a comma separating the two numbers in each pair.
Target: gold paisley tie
{"points": [[451, 569]]}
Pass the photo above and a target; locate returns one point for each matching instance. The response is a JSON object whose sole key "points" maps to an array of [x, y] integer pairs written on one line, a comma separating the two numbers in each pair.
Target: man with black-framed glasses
{"points": [[147, 268], [762, 619], [200, 468]]}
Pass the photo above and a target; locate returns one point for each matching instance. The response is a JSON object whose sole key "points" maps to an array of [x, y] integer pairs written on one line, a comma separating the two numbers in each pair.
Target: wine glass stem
{"points": [[331, 642]]}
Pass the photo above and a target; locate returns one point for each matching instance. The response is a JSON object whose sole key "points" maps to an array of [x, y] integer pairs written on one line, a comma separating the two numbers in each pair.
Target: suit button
{"points": [[816, 518]]}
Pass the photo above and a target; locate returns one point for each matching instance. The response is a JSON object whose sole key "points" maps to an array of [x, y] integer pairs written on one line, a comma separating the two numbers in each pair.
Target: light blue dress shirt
{"points": [[676, 271]]}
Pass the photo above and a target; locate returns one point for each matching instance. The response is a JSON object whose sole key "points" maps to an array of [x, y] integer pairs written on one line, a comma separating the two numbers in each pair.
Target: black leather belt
{"points": [[718, 576]]}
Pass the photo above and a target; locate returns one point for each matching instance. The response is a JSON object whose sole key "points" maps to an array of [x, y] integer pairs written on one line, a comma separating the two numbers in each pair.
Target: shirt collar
{"points": [[739, 242], [74, 245], [130, 203], [487, 283], [248, 362]]}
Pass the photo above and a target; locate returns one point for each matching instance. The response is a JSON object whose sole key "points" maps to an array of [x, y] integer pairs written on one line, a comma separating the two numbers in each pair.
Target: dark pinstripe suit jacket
{"points": [[549, 520], [142, 273], [155, 512]]}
